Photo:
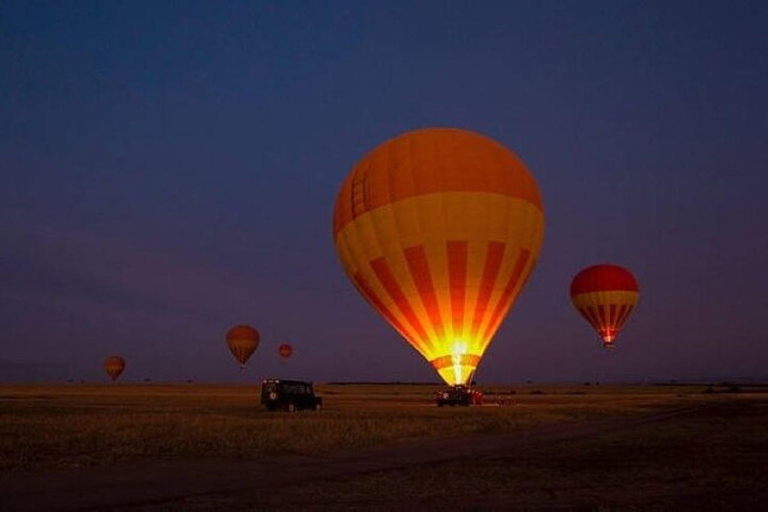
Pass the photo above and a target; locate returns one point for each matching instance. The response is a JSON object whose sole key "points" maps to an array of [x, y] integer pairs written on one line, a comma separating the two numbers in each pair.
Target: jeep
{"points": [[458, 395], [289, 395]]}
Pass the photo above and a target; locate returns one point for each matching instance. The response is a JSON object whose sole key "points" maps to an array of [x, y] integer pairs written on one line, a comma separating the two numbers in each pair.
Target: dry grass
{"points": [[43, 427], [714, 459]]}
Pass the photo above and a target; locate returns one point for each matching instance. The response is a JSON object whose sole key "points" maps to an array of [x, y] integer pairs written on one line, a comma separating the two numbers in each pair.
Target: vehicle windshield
{"points": [[295, 389]]}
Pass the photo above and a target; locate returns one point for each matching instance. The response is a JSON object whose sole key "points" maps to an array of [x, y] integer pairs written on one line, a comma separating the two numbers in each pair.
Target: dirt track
{"points": [[142, 484]]}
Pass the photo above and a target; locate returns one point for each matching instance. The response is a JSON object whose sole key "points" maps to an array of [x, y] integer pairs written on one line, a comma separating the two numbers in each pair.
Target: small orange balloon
{"points": [[242, 341], [285, 350], [115, 366]]}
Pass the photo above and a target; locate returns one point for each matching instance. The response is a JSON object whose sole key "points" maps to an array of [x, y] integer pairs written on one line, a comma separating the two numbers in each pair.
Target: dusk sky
{"points": [[169, 169]]}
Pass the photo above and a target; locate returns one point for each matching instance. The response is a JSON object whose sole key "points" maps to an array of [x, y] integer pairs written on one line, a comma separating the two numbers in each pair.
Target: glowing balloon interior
{"points": [[605, 295], [439, 230], [115, 366], [242, 341]]}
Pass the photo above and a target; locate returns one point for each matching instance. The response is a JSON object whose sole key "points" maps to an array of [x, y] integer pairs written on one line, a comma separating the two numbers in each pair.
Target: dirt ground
{"points": [[707, 455]]}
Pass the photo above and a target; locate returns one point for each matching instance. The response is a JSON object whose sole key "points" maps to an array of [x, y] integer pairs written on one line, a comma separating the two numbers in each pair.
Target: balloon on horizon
{"points": [[242, 340], [605, 295], [114, 366], [439, 229]]}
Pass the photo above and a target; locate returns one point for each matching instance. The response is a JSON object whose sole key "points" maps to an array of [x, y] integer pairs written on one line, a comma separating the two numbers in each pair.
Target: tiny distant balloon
{"points": [[605, 295], [285, 350], [115, 366], [242, 341]]}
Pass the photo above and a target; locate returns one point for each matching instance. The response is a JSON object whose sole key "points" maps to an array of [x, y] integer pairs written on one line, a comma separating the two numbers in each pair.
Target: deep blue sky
{"points": [[168, 169]]}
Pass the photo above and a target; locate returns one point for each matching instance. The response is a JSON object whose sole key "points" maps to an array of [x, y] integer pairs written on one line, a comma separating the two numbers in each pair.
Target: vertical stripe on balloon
{"points": [[620, 315], [381, 269], [626, 314], [502, 306], [379, 305], [416, 257], [491, 268], [601, 314], [457, 279], [593, 310]]}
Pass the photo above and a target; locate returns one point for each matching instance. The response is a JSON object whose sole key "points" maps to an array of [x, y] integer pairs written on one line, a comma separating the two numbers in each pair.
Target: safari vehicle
{"points": [[289, 395], [458, 395]]}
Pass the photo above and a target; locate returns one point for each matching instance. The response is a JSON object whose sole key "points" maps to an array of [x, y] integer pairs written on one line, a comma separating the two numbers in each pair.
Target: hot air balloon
{"points": [[115, 366], [242, 341], [605, 295], [439, 229], [285, 350]]}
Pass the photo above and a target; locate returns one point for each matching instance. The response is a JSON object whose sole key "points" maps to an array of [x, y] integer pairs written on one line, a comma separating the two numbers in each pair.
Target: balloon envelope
{"points": [[242, 341], [605, 295], [439, 229], [285, 350], [115, 366]]}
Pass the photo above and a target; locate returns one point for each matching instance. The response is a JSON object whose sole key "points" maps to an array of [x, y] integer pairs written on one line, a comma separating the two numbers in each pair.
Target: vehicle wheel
{"points": [[318, 407], [290, 408]]}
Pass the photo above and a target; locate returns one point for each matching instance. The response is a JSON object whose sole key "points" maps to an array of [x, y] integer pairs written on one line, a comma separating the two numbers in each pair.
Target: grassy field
{"points": [[713, 459], [66, 426]]}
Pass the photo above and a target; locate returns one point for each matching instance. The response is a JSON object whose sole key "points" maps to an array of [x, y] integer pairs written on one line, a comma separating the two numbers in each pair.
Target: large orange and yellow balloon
{"points": [[115, 366], [242, 341], [605, 295], [439, 230]]}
